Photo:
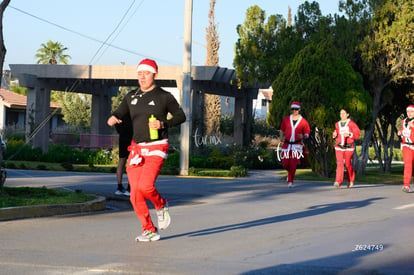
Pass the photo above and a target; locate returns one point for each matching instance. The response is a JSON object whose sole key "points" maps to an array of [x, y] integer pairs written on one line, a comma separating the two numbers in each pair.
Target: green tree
{"points": [[324, 83], [386, 128], [308, 20], [16, 88], [212, 107], [257, 55], [387, 56], [52, 53], [116, 100], [76, 108]]}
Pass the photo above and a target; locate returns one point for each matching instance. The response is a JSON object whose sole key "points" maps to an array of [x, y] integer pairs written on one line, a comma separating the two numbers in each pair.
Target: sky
{"points": [[137, 29]]}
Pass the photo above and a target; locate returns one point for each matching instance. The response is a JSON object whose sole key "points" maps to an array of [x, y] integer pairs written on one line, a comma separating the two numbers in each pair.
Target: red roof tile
{"points": [[14, 100]]}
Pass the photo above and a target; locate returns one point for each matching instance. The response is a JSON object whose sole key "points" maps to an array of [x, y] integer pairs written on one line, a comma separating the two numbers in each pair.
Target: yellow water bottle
{"points": [[153, 132]]}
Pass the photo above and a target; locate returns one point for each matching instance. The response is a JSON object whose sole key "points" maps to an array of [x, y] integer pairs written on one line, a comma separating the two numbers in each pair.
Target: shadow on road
{"points": [[312, 211], [346, 263]]}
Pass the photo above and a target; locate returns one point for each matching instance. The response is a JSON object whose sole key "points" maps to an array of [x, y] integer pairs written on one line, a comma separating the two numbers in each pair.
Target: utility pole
{"points": [[186, 90]]}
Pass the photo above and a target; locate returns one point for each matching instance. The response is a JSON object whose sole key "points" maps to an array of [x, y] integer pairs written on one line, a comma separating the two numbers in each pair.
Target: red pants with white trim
{"points": [[290, 160], [408, 157], [142, 176], [342, 154]]}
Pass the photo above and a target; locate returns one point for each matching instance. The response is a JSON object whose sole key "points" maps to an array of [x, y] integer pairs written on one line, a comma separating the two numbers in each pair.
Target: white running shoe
{"points": [[406, 189], [291, 185], [164, 218], [148, 236], [119, 192], [126, 193]]}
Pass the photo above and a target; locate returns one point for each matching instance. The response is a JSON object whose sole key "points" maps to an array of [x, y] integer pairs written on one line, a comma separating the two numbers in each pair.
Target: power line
{"points": [[109, 36], [105, 42], [113, 39], [87, 36]]}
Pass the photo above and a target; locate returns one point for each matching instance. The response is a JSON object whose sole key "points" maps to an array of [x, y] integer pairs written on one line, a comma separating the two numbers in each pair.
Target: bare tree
{"points": [[3, 7]]}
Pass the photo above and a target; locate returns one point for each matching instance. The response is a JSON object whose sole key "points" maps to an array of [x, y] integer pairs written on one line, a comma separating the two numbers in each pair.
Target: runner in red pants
{"points": [[148, 107], [407, 146], [346, 132], [144, 164], [294, 128]]}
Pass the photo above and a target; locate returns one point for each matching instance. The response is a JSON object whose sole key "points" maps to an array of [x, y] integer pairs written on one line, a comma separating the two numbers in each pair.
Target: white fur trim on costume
{"points": [[145, 67], [157, 142]]}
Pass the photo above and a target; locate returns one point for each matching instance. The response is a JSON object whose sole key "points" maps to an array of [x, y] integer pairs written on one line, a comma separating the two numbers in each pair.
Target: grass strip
{"points": [[24, 196]]}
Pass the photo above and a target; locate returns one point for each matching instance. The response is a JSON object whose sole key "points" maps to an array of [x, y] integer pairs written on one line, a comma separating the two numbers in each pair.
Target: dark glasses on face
{"points": [[294, 109]]}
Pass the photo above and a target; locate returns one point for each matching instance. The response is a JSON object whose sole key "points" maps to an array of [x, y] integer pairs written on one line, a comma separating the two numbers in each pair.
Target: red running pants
{"points": [[289, 162], [142, 176], [408, 157], [350, 173]]}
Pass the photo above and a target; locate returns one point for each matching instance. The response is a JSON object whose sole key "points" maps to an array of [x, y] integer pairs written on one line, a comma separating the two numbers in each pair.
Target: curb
{"points": [[36, 211]]}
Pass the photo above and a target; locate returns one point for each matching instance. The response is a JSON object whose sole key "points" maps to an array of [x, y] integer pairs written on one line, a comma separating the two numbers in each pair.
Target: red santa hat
{"points": [[295, 104], [148, 65], [411, 108]]}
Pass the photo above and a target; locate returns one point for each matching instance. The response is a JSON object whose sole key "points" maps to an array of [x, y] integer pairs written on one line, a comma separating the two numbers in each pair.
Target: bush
{"points": [[67, 166], [101, 156], [170, 170], [64, 153], [19, 150], [41, 167], [10, 165], [173, 159], [238, 171], [261, 128]]}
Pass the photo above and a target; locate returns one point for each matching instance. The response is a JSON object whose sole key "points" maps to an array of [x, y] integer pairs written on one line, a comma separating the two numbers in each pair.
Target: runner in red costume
{"points": [[294, 128], [346, 132], [147, 153], [407, 146]]}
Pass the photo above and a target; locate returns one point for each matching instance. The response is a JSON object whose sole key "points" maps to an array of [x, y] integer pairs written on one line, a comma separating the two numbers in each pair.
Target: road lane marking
{"points": [[404, 206]]}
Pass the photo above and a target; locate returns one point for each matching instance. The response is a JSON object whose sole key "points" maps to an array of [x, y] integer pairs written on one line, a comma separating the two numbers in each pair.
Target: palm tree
{"points": [[52, 53]]}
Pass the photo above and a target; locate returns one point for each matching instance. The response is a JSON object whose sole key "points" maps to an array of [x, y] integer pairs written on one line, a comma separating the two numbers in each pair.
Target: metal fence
{"points": [[89, 141]]}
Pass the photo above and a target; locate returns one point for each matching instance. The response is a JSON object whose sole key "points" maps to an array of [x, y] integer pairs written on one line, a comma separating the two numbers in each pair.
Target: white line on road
{"points": [[404, 206]]}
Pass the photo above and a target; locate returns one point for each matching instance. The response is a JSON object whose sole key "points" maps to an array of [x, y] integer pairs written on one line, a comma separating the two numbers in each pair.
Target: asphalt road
{"points": [[252, 225]]}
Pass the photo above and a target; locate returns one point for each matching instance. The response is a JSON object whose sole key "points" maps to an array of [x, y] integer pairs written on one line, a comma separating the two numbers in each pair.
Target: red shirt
{"points": [[351, 128], [407, 134], [292, 130]]}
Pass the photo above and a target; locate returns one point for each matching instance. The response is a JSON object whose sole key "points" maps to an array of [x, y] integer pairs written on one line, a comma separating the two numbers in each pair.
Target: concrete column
{"points": [[101, 109], [243, 117], [2, 117], [239, 119], [197, 121], [37, 117], [248, 119]]}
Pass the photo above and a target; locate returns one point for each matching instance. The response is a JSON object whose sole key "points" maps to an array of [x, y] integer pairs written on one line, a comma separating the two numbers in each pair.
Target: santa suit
{"points": [[292, 149], [407, 147], [344, 149]]}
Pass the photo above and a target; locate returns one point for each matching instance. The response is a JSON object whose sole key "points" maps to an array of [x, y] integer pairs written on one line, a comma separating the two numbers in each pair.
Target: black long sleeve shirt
{"points": [[141, 106]]}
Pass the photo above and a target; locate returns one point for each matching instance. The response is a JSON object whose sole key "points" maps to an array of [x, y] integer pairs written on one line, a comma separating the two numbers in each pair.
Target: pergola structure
{"points": [[103, 82]]}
